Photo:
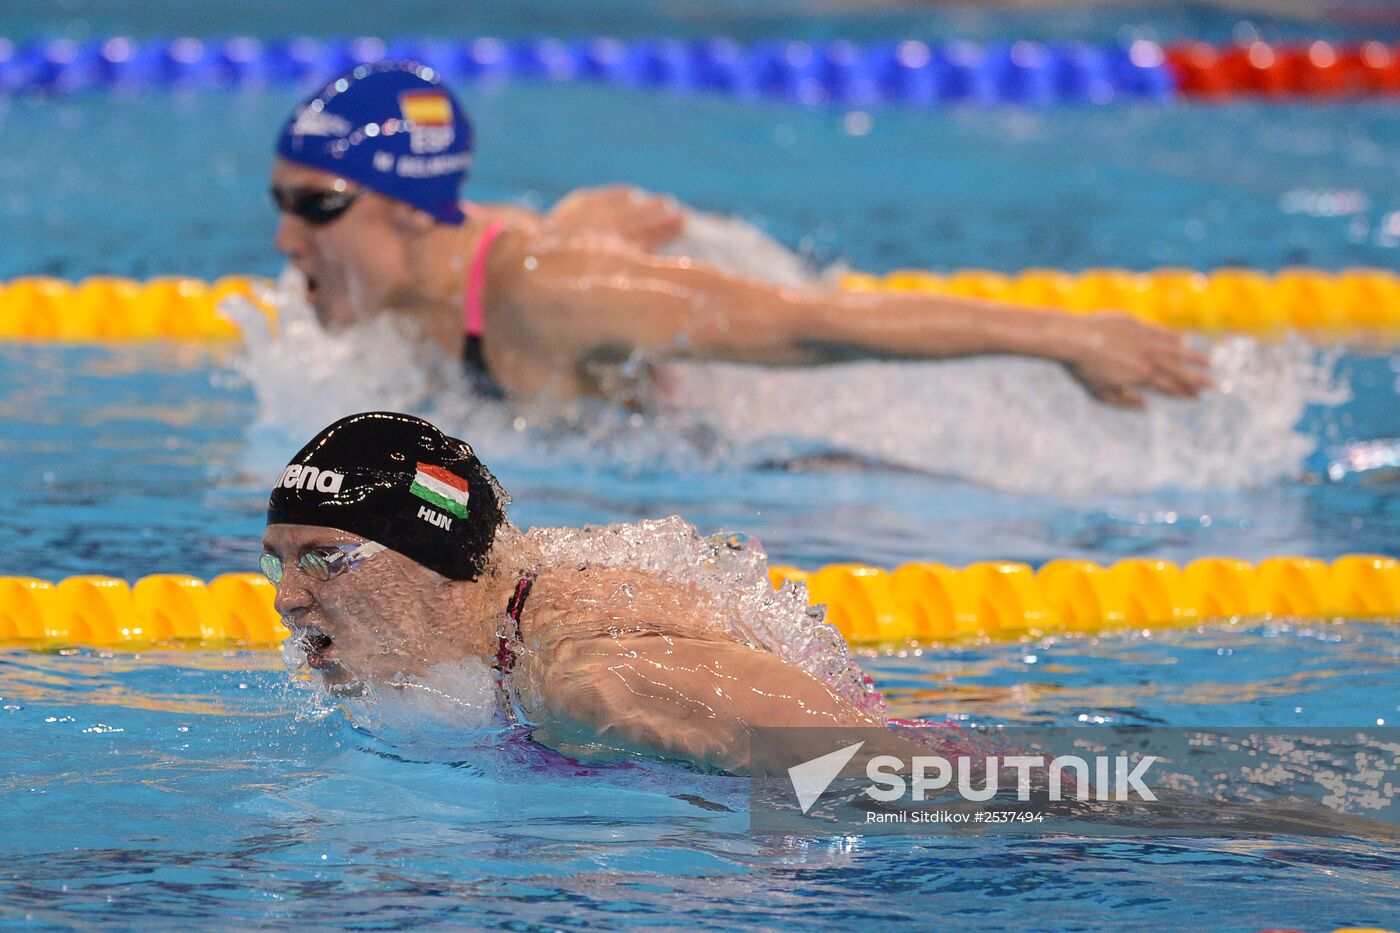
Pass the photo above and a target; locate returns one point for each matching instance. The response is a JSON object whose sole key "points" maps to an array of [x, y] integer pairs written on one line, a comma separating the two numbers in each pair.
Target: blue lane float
{"points": [[814, 74]]}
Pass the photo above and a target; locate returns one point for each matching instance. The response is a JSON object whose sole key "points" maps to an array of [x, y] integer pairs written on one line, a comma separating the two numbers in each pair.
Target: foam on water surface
{"points": [[444, 709], [1024, 425]]}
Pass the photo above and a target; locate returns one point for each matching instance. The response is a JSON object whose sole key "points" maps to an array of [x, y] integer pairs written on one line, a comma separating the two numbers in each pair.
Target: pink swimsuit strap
{"points": [[475, 321], [505, 648]]}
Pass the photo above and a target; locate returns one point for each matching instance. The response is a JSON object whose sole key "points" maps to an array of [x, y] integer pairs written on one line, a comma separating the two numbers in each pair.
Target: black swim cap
{"points": [[397, 480]]}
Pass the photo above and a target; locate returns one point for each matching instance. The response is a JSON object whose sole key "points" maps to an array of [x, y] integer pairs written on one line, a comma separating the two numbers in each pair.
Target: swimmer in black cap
{"points": [[391, 553], [367, 177]]}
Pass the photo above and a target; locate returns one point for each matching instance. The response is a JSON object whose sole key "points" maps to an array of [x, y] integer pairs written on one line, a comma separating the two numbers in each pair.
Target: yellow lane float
{"points": [[1238, 300], [932, 603], [1356, 301], [106, 308], [928, 603]]}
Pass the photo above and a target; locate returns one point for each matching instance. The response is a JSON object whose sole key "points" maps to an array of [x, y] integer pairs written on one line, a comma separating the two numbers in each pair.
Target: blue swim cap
{"points": [[391, 126]]}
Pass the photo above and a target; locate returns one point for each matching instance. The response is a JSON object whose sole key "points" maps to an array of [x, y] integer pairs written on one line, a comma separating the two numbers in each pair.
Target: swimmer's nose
{"points": [[291, 235], [292, 600]]}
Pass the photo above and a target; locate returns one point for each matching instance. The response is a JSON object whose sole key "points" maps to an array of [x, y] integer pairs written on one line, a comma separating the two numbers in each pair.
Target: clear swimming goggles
{"points": [[322, 563]]}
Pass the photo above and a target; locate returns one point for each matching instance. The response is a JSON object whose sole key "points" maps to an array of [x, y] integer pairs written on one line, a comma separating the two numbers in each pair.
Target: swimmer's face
{"points": [[367, 624], [362, 262]]}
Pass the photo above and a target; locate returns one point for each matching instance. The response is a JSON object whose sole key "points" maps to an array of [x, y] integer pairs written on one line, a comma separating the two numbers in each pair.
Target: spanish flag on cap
{"points": [[421, 155], [426, 108]]}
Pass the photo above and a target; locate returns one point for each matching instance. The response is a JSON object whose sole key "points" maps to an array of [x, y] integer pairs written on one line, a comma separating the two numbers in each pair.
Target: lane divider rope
{"points": [[837, 72], [106, 308], [1237, 300], [1356, 301], [929, 603]]}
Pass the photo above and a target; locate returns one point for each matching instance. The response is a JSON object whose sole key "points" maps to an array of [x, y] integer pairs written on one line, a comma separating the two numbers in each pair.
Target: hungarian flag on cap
{"points": [[440, 488]]}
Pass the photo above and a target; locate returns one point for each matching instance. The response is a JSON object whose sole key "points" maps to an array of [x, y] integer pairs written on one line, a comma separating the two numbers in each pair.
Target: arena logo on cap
{"points": [[430, 123], [312, 121], [441, 489], [298, 476]]}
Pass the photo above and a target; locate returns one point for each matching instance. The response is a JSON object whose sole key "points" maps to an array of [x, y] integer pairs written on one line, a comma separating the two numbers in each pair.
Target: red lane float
{"points": [[1311, 70]]}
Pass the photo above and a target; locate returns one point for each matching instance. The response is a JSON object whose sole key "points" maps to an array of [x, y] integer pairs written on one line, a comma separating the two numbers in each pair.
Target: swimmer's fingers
{"points": [[1122, 397], [1125, 356], [1171, 379], [1110, 391], [1198, 380], [1174, 346], [1170, 365], [1194, 357], [1182, 373], [1172, 385]]}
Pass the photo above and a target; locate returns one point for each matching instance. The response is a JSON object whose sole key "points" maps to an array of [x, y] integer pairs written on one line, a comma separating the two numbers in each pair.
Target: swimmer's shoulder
{"points": [[588, 601]]}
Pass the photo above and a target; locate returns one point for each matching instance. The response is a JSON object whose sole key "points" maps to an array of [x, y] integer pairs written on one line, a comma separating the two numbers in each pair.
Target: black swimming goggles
{"points": [[316, 207]]}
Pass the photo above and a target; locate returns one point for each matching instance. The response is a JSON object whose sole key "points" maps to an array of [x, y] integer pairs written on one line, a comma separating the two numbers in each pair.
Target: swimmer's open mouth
{"points": [[316, 644]]}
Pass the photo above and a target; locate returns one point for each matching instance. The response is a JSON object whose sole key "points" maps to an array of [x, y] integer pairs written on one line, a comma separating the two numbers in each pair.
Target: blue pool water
{"points": [[174, 789], [1002, 188], [199, 789]]}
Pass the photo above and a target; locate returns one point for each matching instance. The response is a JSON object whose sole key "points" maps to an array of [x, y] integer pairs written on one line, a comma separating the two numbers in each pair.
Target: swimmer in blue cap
{"points": [[367, 178], [391, 553]]}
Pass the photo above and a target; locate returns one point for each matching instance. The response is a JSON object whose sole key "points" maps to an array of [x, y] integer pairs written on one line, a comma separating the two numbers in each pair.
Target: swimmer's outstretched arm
{"points": [[679, 697], [587, 302]]}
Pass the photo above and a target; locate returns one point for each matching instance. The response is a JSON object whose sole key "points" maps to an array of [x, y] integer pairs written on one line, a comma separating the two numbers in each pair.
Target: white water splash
{"points": [[452, 706], [440, 709], [1025, 425], [304, 377], [733, 571]]}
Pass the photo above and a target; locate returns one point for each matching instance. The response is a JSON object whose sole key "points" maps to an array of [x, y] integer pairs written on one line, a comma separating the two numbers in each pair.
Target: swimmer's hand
{"points": [[1115, 357], [644, 220]]}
